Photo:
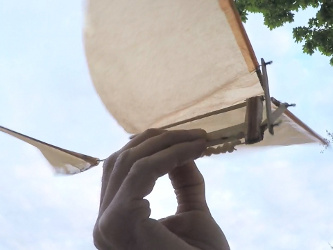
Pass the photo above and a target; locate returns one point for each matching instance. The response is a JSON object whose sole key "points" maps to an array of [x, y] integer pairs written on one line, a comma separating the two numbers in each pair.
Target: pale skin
{"points": [[130, 174]]}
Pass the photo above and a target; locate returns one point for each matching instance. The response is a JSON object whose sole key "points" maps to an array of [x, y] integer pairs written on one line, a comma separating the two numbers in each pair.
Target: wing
{"points": [[181, 65], [62, 160], [156, 62]]}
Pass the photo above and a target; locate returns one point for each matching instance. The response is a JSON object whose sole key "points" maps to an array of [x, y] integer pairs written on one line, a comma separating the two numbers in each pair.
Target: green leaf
{"points": [[317, 36]]}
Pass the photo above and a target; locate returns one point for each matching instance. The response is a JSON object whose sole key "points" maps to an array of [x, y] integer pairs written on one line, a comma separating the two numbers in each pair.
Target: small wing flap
{"points": [[62, 160]]}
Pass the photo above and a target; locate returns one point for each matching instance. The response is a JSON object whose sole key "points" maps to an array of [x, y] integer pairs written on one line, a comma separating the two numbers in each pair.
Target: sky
{"points": [[274, 198]]}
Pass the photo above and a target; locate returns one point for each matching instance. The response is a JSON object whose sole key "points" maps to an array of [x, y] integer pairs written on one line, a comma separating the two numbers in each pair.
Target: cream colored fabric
{"points": [[158, 62], [62, 160], [154, 62], [216, 122], [288, 132]]}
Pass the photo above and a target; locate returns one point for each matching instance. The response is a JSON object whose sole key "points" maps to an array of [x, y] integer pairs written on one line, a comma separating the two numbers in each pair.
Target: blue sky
{"points": [[276, 198]]}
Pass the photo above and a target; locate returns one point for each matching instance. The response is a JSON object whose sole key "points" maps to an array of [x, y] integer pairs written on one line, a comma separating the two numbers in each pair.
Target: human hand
{"points": [[130, 174]]}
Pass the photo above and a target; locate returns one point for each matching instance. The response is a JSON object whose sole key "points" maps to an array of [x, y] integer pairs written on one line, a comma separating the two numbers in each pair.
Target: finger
{"points": [[144, 173], [107, 170], [110, 162], [189, 187], [128, 207], [99, 241], [148, 147]]}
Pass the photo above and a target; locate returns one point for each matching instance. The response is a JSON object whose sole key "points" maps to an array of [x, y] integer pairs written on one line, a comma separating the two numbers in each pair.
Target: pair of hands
{"points": [[130, 174]]}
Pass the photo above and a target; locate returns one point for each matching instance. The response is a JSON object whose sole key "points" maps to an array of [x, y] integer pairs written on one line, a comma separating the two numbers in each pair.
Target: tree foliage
{"points": [[317, 35]]}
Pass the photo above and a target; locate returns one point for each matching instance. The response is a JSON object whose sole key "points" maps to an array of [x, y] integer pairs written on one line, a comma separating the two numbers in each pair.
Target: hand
{"points": [[130, 174]]}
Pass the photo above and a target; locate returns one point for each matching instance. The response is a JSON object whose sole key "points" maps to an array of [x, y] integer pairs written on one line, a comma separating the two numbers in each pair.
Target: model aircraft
{"points": [[179, 65]]}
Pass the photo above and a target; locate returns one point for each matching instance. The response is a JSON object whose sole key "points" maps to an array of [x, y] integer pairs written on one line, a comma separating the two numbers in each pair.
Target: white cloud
{"points": [[275, 202]]}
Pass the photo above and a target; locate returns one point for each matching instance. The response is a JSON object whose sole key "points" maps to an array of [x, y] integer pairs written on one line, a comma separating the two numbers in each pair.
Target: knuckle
{"points": [[108, 165], [98, 236], [146, 167], [106, 229], [95, 232], [142, 167], [109, 162], [97, 244], [168, 136], [139, 165], [103, 227], [122, 159], [110, 231], [124, 156]]}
